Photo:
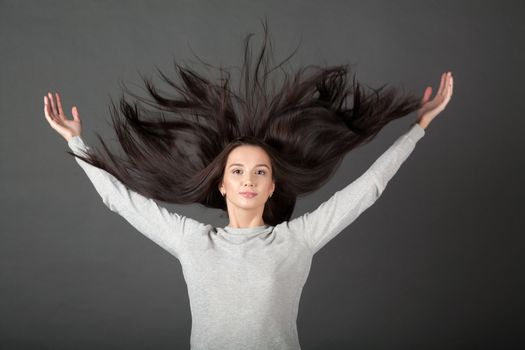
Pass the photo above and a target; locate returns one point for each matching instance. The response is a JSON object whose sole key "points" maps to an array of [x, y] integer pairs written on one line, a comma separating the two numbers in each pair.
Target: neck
{"points": [[239, 223], [240, 217]]}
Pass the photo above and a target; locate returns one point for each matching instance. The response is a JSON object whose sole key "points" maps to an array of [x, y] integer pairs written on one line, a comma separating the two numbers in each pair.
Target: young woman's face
{"points": [[248, 169]]}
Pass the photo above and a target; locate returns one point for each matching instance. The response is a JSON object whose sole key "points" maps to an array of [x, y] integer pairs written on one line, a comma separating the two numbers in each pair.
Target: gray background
{"points": [[435, 263]]}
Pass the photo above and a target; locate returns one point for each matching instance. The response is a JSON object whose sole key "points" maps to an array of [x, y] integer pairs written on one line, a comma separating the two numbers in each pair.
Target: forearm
{"points": [[343, 207]]}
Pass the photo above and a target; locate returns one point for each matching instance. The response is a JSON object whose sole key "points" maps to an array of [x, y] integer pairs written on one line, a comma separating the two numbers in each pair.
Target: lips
{"points": [[248, 194]]}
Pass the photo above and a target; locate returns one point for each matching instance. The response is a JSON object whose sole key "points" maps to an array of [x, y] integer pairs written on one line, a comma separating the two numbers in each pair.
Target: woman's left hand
{"points": [[430, 109]]}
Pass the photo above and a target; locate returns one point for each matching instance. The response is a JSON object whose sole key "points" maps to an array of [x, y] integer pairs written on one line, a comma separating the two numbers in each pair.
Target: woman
{"points": [[250, 155]]}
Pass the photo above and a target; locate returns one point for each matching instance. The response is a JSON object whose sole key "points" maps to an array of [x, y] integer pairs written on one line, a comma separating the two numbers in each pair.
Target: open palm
{"points": [[430, 109], [58, 120]]}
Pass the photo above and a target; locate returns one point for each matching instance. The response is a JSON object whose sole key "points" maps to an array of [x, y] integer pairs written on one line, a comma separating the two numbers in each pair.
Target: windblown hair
{"points": [[178, 150]]}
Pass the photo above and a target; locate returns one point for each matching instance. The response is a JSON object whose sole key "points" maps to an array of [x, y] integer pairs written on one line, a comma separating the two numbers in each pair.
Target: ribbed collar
{"points": [[246, 230]]}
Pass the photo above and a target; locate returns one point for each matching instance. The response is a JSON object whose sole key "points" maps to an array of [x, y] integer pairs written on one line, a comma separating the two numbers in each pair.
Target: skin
{"points": [[244, 172], [246, 212], [430, 109]]}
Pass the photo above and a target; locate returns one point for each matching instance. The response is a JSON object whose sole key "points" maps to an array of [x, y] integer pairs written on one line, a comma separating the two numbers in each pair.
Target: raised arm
{"points": [[331, 217], [155, 222], [321, 225], [164, 228]]}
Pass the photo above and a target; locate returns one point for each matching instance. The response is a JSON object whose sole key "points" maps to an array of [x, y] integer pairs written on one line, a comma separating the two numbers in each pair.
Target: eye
{"points": [[236, 171]]}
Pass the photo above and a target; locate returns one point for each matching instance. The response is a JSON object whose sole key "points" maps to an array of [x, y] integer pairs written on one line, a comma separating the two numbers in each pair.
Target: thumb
{"points": [[427, 93], [76, 116]]}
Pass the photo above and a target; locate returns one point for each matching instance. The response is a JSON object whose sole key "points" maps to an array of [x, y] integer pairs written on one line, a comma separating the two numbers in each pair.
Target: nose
{"points": [[248, 182]]}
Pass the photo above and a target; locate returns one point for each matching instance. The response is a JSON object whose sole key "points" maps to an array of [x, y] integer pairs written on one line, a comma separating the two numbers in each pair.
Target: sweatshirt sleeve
{"points": [[157, 223], [320, 226]]}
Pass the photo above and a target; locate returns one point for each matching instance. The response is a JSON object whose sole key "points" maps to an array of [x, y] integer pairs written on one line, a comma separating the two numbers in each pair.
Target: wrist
{"points": [[69, 137], [422, 124]]}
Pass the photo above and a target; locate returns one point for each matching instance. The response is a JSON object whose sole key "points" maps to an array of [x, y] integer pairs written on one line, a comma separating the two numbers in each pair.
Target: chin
{"points": [[249, 206]]}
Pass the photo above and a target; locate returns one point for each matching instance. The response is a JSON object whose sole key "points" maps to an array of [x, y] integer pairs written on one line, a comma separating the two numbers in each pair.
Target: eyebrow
{"points": [[238, 164]]}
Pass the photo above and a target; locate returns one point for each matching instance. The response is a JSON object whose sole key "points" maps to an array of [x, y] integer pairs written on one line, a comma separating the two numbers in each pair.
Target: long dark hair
{"points": [[177, 151]]}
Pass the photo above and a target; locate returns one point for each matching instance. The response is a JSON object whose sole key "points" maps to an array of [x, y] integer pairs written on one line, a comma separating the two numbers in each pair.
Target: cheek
{"points": [[229, 181]]}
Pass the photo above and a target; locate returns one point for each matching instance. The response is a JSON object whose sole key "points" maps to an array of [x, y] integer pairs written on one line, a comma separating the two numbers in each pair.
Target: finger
{"points": [[427, 94], [447, 83], [448, 86], [49, 117], [47, 109], [52, 102], [447, 94], [57, 126], [442, 84], [59, 103], [74, 111]]}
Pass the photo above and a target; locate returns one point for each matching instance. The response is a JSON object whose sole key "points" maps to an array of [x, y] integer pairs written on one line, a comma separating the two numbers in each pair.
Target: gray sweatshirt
{"points": [[245, 284]]}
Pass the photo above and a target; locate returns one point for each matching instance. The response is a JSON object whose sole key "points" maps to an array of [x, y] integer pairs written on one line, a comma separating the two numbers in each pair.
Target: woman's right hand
{"points": [[57, 119]]}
